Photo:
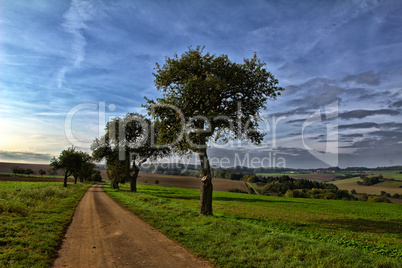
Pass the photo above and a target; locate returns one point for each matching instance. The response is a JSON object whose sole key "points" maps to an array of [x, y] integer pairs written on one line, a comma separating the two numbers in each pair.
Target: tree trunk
{"points": [[65, 180], [75, 180], [133, 179], [115, 185], [207, 188]]}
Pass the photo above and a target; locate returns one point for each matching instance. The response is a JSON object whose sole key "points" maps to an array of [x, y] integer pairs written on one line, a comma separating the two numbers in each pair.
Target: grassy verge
{"points": [[266, 231], [34, 217]]}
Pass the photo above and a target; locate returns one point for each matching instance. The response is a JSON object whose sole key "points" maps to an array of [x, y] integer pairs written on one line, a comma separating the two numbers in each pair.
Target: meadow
{"points": [[391, 187], [34, 218], [267, 231]]}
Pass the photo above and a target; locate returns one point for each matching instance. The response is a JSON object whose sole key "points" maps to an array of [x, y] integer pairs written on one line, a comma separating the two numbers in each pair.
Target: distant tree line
{"points": [[291, 187], [368, 181], [22, 171]]}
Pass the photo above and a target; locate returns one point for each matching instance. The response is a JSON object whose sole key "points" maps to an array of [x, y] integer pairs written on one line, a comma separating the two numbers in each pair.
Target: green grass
{"points": [[34, 217], [267, 231]]}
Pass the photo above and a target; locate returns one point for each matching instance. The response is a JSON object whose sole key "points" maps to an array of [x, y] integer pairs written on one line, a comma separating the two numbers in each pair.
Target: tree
{"points": [[85, 167], [29, 171], [15, 170], [205, 98], [68, 161], [127, 144], [42, 172]]}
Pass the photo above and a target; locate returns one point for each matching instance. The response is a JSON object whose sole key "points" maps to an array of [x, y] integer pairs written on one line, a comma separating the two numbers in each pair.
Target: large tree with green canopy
{"points": [[207, 97]]}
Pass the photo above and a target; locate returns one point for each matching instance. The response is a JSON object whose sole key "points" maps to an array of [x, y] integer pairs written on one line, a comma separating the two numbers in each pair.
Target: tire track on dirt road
{"points": [[104, 234]]}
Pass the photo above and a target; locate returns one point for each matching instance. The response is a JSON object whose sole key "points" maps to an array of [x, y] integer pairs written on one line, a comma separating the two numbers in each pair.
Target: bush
{"points": [[364, 197], [381, 199], [96, 176], [237, 191]]}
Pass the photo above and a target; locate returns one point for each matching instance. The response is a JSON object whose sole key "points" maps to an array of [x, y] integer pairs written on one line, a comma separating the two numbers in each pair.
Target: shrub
{"points": [[381, 199], [96, 176], [235, 190], [364, 197]]}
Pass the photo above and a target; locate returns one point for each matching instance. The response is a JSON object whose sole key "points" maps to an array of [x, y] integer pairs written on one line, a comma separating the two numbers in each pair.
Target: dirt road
{"points": [[104, 234]]}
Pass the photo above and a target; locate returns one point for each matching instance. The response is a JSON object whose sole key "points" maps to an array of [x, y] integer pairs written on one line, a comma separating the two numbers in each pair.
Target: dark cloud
{"points": [[387, 134], [298, 111], [392, 125], [356, 135], [397, 104], [349, 137], [24, 156], [366, 78], [364, 113], [359, 125], [296, 121]]}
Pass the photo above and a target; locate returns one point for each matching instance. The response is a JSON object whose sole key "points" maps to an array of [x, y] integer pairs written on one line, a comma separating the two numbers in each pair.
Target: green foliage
{"points": [[96, 176], [126, 145], [29, 171], [381, 199], [17, 170], [42, 172], [302, 188], [34, 217], [68, 161], [368, 181], [266, 231], [202, 94]]}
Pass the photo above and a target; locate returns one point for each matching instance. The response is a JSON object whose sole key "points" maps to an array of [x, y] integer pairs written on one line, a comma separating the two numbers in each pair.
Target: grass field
{"points": [[34, 217], [266, 231]]}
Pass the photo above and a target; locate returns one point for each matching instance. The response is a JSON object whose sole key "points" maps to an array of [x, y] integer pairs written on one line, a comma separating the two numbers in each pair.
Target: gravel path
{"points": [[104, 234]]}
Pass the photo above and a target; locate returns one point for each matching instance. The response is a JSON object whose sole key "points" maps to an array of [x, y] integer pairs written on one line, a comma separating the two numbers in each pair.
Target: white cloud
{"points": [[75, 19]]}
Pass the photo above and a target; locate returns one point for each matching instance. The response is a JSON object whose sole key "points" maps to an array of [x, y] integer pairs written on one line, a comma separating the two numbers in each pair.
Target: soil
{"points": [[104, 234], [189, 182]]}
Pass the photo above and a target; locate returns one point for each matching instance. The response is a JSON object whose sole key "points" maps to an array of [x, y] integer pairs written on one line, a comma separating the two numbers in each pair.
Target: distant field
{"points": [[189, 182], [266, 231], [34, 217], [388, 186]]}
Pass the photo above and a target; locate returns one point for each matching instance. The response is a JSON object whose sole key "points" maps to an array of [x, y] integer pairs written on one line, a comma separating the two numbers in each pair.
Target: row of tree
{"points": [[77, 164], [204, 98], [18, 170]]}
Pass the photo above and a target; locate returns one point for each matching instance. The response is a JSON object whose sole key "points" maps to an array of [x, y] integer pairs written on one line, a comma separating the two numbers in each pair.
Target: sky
{"points": [[67, 67]]}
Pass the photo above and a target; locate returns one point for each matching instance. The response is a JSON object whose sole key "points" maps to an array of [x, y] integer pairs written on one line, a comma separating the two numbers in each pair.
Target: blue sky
{"points": [[74, 64]]}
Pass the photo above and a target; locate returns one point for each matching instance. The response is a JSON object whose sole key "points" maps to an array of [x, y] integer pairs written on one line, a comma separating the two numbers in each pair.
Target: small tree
{"points": [[207, 97], [42, 172], [15, 170], [68, 161], [29, 171], [126, 145]]}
